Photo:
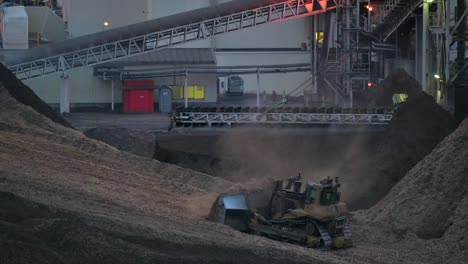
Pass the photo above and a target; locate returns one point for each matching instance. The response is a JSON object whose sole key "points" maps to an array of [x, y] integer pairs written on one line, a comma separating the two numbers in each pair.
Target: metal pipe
{"points": [[447, 41], [149, 9], [258, 88], [217, 73], [370, 52], [449, 102], [314, 67], [113, 97], [424, 45], [65, 94], [186, 89]]}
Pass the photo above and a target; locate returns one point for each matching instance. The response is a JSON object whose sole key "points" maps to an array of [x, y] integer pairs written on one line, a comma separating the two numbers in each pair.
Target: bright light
{"points": [[369, 84], [437, 76], [106, 23], [370, 8]]}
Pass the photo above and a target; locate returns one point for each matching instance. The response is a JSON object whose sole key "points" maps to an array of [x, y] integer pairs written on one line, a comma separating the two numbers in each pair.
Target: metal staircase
{"points": [[353, 62], [353, 68], [161, 33], [391, 15]]}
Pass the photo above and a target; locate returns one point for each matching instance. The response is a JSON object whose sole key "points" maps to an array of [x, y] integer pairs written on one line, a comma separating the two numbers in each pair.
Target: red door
{"points": [[138, 101], [138, 96]]}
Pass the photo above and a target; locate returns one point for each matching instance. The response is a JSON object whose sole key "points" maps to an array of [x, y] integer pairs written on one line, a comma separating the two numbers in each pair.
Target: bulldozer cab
{"points": [[318, 200], [324, 194]]}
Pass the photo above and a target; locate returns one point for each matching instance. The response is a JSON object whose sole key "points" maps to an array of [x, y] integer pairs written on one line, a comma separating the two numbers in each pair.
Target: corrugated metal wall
{"points": [[84, 88]]}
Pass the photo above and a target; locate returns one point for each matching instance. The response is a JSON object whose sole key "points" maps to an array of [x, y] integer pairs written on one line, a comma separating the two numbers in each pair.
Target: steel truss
{"points": [[209, 119], [94, 55]]}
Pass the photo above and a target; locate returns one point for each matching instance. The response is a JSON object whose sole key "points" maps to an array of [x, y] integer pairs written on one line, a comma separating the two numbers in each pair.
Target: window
{"points": [[194, 92], [311, 195], [329, 197]]}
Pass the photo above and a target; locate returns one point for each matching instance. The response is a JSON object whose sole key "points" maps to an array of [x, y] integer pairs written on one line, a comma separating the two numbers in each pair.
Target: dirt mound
{"points": [[197, 162], [26, 96], [131, 140], [35, 233], [431, 201], [416, 128], [145, 144]]}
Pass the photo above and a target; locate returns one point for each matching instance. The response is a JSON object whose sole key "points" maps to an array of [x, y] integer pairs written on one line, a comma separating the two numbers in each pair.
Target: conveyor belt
{"points": [[160, 33], [288, 116]]}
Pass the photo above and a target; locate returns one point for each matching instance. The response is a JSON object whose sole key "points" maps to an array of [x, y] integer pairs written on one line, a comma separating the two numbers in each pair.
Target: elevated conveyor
{"points": [[204, 118], [160, 33]]}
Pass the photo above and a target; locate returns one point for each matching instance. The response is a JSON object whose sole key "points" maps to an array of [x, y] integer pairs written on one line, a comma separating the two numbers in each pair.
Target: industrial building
{"points": [[333, 51]]}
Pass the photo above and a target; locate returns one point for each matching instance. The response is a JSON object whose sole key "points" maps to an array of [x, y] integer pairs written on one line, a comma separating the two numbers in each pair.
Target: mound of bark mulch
{"points": [[397, 82], [417, 127], [431, 201], [145, 144], [26, 96], [131, 140]]}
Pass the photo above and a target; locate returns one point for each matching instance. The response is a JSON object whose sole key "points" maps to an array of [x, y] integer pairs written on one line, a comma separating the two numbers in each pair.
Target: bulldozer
{"points": [[310, 214]]}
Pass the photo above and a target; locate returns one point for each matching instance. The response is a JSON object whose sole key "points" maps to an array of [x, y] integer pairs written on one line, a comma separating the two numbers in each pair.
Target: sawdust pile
{"points": [[66, 198], [197, 162], [146, 144], [137, 142], [431, 201], [416, 128], [26, 96]]}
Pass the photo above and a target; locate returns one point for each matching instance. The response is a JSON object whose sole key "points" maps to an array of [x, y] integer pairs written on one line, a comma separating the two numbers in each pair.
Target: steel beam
{"points": [[117, 73], [425, 40], [65, 94]]}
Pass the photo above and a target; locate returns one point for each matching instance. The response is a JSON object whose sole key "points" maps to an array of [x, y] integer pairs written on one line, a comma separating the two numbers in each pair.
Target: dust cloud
{"points": [[270, 154]]}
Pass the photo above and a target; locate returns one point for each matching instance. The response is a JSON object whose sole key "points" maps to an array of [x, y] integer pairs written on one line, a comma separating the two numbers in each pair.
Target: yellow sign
{"points": [[195, 92], [399, 98], [319, 37]]}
